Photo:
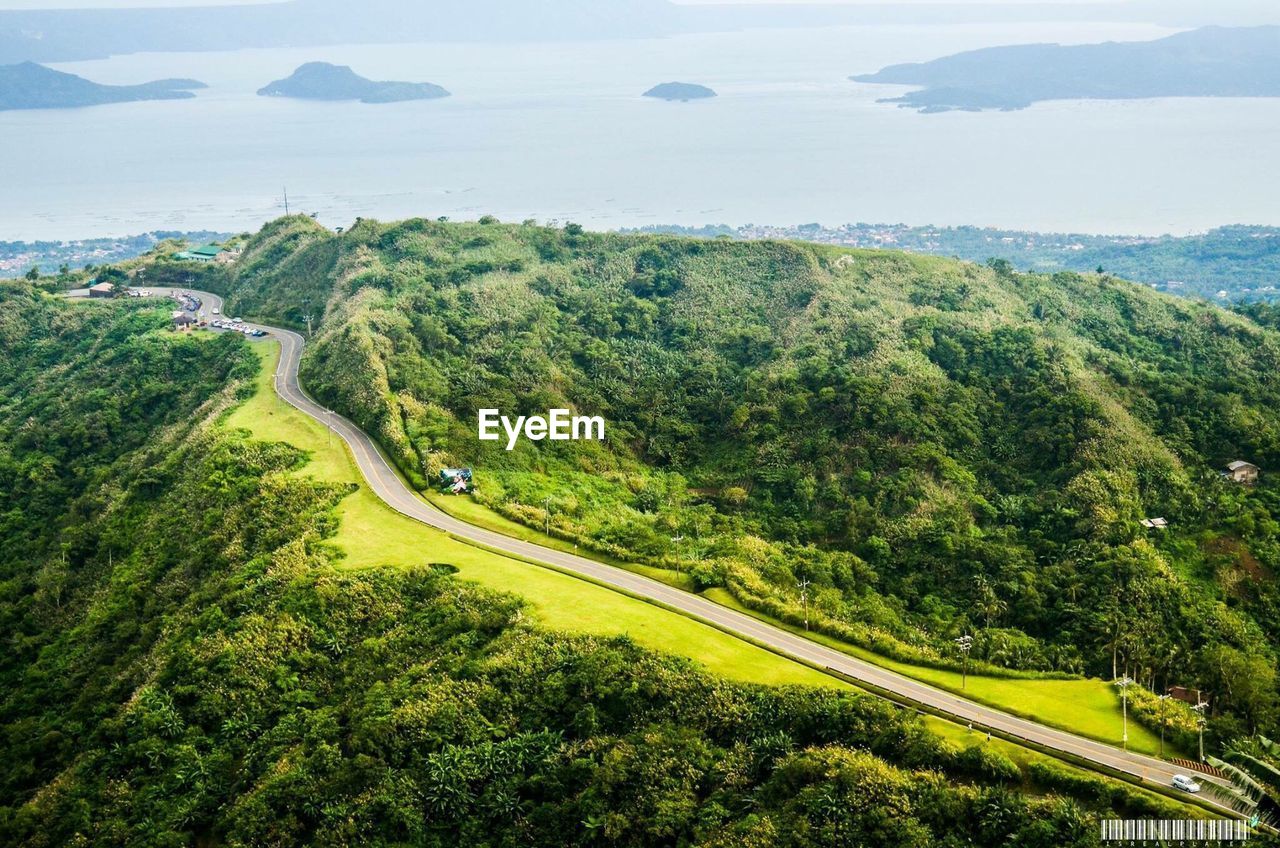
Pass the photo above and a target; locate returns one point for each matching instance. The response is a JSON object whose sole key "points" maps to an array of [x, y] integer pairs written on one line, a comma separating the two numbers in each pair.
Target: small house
{"points": [[1186, 695], [1242, 472], [1155, 523], [102, 290]]}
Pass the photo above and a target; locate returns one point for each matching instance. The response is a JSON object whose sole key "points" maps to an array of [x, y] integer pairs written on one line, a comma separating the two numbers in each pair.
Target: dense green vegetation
{"points": [[936, 447], [189, 662], [1253, 765], [1237, 263]]}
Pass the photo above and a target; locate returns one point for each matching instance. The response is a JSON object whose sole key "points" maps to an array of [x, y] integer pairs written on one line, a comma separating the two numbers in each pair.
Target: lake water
{"points": [[559, 131]]}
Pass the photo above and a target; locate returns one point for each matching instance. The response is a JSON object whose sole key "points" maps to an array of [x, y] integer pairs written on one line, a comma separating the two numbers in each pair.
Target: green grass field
{"points": [[481, 516], [1089, 706], [371, 534]]}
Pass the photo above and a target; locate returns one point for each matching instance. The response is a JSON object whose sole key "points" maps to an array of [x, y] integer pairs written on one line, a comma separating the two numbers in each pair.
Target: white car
{"points": [[1186, 784], [216, 312]]}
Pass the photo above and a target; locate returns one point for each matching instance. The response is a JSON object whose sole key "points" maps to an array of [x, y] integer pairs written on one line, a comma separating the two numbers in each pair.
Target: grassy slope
{"points": [[480, 515], [372, 534], [1090, 707]]}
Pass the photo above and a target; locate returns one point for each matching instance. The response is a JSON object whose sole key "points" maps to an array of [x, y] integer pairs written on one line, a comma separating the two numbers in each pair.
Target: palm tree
{"points": [[1253, 766]]}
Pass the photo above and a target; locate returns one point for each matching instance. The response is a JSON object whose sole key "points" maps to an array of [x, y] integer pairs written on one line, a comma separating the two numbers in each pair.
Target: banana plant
{"points": [[1253, 766]]}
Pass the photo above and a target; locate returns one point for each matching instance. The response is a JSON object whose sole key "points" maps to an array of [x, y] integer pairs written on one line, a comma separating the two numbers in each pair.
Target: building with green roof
{"points": [[205, 253]]}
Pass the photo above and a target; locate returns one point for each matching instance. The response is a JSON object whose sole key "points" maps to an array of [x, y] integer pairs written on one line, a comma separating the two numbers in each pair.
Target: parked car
{"points": [[216, 312], [1185, 783]]}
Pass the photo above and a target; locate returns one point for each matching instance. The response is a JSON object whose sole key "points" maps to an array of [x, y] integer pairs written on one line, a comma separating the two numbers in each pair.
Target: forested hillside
{"points": [[937, 447], [186, 663]]}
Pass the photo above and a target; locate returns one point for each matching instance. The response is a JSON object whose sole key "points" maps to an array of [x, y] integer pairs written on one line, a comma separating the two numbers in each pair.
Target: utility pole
{"points": [[286, 201], [676, 540], [1162, 698], [804, 599], [546, 512], [308, 318], [965, 644], [1124, 683], [328, 425], [1201, 721]]}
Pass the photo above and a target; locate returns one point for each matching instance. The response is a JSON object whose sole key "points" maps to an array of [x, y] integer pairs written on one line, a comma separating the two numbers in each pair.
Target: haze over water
{"points": [[559, 131]]}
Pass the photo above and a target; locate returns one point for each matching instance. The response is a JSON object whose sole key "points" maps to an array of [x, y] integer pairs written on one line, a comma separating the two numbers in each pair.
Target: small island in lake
{"points": [[31, 86], [1208, 62], [680, 91], [323, 81]]}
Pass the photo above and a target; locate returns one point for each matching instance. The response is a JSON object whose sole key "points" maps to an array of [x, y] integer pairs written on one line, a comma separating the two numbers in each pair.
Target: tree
{"points": [[1244, 683], [34, 273], [1253, 765]]}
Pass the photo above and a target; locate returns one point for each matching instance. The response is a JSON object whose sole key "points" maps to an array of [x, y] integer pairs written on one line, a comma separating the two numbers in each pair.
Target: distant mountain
{"points": [[323, 81], [31, 86], [71, 34], [61, 35], [680, 91], [1236, 263], [1210, 62]]}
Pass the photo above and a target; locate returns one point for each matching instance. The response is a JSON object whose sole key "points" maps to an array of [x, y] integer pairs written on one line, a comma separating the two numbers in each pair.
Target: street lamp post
{"points": [[965, 644], [1124, 683], [328, 426], [546, 503], [1201, 721], [804, 599]]}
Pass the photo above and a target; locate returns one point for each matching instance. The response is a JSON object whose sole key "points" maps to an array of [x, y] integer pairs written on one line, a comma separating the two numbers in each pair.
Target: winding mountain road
{"points": [[388, 485]]}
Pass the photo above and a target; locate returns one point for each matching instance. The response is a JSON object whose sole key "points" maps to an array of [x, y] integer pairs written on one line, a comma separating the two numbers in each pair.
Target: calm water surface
{"points": [[559, 131]]}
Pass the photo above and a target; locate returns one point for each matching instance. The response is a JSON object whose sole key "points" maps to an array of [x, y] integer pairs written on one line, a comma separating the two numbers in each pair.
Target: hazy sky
{"points": [[115, 4]]}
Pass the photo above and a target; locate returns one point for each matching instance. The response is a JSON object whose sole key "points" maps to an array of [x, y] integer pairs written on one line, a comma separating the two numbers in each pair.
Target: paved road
{"points": [[388, 485]]}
